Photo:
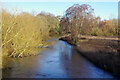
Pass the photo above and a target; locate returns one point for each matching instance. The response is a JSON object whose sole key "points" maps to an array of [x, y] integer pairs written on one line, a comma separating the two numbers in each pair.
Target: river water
{"points": [[61, 60]]}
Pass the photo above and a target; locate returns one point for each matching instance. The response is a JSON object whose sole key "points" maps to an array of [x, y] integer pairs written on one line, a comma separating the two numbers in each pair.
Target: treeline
{"points": [[51, 21], [80, 20], [22, 33]]}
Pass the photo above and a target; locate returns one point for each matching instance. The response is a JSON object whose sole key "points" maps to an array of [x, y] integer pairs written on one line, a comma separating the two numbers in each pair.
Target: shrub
{"points": [[21, 33]]}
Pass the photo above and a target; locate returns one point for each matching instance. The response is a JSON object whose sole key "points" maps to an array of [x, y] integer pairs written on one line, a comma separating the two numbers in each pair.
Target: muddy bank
{"points": [[103, 53]]}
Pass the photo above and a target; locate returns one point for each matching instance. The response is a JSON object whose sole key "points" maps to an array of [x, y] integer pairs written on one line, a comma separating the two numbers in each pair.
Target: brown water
{"points": [[61, 60]]}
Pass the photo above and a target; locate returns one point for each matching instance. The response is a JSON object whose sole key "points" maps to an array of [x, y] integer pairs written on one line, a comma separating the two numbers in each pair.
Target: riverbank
{"points": [[60, 61], [104, 53]]}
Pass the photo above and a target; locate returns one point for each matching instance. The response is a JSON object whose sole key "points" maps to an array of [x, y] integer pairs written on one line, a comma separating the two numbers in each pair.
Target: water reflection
{"points": [[77, 66], [59, 61]]}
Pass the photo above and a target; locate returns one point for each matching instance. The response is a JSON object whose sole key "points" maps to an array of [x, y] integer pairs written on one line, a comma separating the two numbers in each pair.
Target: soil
{"points": [[103, 53]]}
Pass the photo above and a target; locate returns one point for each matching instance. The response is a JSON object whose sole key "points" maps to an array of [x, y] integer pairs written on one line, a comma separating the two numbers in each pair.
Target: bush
{"points": [[22, 33], [96, 32]]}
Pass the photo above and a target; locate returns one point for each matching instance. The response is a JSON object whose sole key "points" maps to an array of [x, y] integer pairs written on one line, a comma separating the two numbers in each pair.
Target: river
{"points": [[61, 60]]}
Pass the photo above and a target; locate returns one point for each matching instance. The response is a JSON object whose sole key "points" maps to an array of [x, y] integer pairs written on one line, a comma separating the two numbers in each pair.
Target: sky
{"points": [[59, 0], [105, 10]]}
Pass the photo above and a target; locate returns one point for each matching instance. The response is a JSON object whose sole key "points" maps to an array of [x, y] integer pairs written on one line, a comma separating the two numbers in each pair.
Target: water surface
{"points": [[61, 60]]}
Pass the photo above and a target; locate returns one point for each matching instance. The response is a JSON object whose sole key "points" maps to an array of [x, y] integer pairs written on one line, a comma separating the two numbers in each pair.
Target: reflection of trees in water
{"points": [[25, 67], [8, 64], [68, 58], [73, 64], [65, 51], [19, 67], [52, 42]]}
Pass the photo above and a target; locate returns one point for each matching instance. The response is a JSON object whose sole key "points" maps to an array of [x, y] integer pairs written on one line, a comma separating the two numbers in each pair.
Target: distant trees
{"points": [[77, 20], [80, 20], [106, 28], [22, 33], [51, 21]]}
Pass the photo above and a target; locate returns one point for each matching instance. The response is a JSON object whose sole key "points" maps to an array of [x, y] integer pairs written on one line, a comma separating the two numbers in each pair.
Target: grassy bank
{"points": [[103, 53]]}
